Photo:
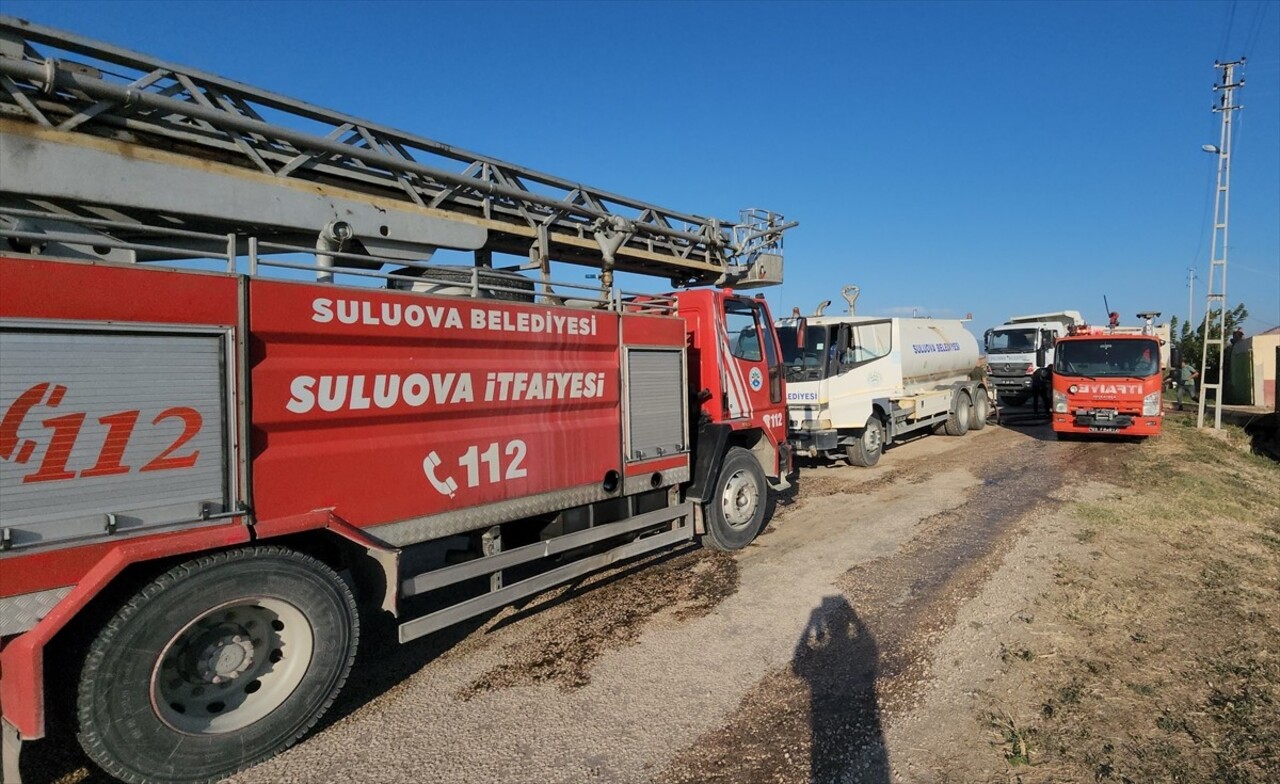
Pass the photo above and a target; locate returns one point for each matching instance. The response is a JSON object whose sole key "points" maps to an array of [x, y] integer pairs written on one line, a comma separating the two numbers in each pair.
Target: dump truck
{"points": [[1023, 347], [856, 384], [244, 404]]}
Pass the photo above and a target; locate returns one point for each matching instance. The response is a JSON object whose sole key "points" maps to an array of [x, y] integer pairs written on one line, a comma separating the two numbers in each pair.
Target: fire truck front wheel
{"points": [[736, 510], [216, 665]]}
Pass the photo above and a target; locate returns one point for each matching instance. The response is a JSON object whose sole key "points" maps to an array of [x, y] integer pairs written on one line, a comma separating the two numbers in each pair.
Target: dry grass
{"points": [[1168, 664]]}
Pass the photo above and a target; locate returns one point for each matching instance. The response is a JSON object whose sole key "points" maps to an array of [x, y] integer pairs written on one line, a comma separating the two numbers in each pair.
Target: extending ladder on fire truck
{"points": [[227, 169]]}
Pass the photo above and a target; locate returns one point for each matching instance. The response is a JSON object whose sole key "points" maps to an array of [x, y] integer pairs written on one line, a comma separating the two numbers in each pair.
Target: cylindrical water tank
{"points": [[935, 353]]}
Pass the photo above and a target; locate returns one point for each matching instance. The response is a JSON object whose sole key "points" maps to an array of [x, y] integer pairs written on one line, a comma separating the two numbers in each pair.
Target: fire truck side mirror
{"points": [[1175, 357], [802, 327]]}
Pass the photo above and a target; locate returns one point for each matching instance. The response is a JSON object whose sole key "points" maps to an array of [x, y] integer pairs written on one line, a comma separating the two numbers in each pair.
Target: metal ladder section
{"points": [[202, 153]]}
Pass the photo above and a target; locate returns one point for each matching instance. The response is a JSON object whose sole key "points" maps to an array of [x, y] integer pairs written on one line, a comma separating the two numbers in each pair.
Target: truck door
{"points": [[753, 377]]}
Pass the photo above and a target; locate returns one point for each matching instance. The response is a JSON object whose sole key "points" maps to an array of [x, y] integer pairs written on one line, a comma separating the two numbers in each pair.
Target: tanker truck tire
{"points": [[958, 423], [981, 410], [866, 451], [216, 665], [736, 509]]}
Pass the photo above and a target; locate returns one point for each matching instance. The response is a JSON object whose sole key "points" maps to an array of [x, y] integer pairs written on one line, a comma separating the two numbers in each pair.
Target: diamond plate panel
{"points": [[22, 612]]}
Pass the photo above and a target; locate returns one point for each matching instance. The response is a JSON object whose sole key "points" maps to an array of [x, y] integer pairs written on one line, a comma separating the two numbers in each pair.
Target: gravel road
{"points": [[662, 686], [788, 661]]}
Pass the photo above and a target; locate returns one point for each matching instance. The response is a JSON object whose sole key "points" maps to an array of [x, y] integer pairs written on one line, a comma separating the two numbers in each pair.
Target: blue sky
{"points": [[992, 158]]}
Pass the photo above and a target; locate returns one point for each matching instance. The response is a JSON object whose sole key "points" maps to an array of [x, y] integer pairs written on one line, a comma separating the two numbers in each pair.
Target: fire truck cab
{"points": [[1108, 382]]}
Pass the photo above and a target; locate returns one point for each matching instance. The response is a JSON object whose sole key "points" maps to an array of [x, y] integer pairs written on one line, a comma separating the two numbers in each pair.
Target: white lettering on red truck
{"points": [[385, 391], [1109, 389], [392, 314], [482, 466]]}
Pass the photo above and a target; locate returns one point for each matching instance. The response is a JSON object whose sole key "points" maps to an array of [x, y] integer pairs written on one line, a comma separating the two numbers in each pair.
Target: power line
{"points": [[1226, 30], [1259, 15]]}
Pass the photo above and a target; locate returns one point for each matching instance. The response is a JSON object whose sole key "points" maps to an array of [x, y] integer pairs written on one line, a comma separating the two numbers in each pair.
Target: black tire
{"points": [[192, 680], [867, 449], [736, 510], [958, 423], [981, 410]]}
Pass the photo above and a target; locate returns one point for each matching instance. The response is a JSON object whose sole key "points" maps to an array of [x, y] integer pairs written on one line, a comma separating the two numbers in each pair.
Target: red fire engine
{"points": [[209, 473], [1108, 381]]}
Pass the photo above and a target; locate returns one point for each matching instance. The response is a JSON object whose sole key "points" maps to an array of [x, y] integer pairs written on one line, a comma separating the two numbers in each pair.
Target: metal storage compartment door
{"points": [[108, 431], [655, 403]]}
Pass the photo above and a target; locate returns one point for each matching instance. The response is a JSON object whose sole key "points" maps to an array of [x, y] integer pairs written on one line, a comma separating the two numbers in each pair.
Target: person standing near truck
{"points": [[1187, 376]]}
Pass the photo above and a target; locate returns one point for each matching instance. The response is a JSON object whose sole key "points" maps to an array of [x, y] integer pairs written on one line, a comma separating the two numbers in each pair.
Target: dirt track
{"points": [[865, 637]]}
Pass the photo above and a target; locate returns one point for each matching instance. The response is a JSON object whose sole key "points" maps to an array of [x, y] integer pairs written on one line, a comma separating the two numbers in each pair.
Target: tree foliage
{"points": [[1190, 341]]}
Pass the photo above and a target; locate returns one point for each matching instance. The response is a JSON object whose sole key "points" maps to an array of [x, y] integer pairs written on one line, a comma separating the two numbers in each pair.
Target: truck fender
{"points": [[22, 660], [378, 574], [708, 453], [881, 406], [22, 701]]}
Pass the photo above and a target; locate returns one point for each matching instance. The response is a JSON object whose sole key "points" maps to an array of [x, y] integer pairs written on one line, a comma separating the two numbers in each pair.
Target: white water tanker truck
{"points": [[856, 384]]}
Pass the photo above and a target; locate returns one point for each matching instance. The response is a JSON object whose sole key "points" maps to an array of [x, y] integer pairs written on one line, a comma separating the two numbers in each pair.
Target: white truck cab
{"points": [[1020, 347]]}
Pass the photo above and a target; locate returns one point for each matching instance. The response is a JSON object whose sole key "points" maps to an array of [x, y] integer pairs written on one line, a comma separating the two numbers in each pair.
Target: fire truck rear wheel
{"points": [[736, 510], [216, 665], [867, 449], [958, 423], [981, 410]]}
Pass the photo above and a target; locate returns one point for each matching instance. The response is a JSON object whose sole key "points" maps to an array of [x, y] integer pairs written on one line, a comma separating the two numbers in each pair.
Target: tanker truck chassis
{"points": [[856, 385]]}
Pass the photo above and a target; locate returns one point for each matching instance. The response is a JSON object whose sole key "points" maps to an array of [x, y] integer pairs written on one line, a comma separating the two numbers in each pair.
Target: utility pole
{"points": [[1191, 292], [1217, 282]]}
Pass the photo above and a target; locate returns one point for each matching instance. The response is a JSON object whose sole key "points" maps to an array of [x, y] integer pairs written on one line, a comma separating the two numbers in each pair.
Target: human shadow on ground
{"points": [[837, 657]]}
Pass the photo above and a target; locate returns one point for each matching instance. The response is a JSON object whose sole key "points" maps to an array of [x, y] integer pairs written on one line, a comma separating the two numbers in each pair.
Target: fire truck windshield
{"points": [[1107, 357], [805, 362]]}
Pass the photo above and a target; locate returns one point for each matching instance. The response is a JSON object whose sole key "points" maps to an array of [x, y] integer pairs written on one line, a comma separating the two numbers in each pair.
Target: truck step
{"points": [[681, 516]]}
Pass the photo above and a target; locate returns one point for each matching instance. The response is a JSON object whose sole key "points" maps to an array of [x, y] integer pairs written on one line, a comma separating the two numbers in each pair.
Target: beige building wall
{"points": [[1261, 351]]}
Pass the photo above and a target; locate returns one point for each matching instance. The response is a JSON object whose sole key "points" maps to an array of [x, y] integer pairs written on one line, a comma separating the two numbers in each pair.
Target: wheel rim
{"points": [[871, 439], [739, 499], [231, 666]]}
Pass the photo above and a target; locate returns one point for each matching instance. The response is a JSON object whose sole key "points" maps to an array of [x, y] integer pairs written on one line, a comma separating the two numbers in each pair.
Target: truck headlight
{"points": [[1059, 402], [1151, 404]]}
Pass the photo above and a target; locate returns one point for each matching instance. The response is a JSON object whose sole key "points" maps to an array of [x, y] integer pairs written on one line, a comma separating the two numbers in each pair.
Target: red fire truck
{"points": [[243, 402], [1109, 381]]}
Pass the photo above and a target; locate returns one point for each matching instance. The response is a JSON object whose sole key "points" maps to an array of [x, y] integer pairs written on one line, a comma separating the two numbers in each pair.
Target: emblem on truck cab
{"points": [[757, 379]]}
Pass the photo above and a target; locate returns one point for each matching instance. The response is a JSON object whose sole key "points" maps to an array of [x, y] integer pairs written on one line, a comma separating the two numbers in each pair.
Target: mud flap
{"points": [[785, 468], [10, 748], [709, 449]]}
